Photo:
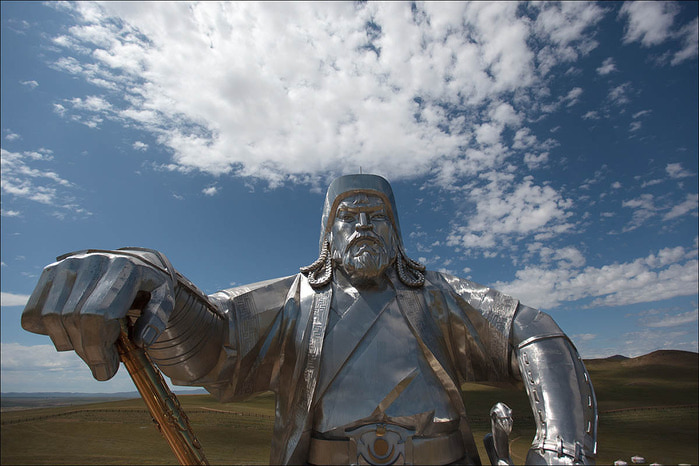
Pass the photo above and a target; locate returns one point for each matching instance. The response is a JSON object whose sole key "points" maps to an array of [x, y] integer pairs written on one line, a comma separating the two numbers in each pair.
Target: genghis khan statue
{"points": [[364, 349]]}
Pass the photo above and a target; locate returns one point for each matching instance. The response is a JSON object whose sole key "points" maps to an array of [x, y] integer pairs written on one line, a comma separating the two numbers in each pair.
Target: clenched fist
{"points": [[81, 298]]}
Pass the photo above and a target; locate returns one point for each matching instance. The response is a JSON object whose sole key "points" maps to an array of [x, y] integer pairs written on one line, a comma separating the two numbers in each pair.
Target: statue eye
{"points": [[345, 216], [379, 216]]}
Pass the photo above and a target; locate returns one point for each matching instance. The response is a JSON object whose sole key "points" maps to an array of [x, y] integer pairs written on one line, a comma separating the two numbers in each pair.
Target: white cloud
{"points": [[644, 208], [30, 84], [140, 146], [348, 85], [591, 115], [672, 320], [12, 299], [648, 22], [504, 208], [675, 170], [607, 67], [210, 191], [619, 95], [651, 24], [651, 182], [9, 213], [670, 273], [37, 358], [91, 103], [535, 160], [641, 113], [690, 38], [12, 136], [573, 97], [21, 179], [689, 205], [41, 368]]}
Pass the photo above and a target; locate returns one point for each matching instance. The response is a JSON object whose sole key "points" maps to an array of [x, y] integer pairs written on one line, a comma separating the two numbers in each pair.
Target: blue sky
{"points": [[548, 150]]}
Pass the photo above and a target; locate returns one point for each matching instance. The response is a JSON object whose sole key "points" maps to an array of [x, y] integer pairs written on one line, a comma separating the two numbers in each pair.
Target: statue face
{"points": [[362, 238]]}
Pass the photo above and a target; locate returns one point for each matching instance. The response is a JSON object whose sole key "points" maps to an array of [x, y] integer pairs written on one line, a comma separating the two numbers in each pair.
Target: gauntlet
{"points": [[559, 389]]}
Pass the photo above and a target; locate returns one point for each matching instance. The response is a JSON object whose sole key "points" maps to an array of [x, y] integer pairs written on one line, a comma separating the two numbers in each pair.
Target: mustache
{"points": [[358, 238]]}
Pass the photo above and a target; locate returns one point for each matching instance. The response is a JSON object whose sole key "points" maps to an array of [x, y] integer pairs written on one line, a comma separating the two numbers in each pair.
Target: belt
{"points": [[386, 444]]}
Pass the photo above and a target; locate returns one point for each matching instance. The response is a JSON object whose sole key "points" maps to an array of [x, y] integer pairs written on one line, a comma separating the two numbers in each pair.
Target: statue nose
{"points": [[363, 223]]}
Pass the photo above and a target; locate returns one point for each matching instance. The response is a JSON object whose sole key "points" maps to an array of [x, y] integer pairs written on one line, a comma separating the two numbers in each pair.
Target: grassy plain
{"points": [[648, 407]]}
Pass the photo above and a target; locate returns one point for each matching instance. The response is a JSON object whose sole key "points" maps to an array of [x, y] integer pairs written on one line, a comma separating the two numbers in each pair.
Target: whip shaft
{"points": [[163, 405]]}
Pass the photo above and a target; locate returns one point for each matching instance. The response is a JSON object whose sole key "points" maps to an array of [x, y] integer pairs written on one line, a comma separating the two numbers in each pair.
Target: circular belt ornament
{"points": [[381, 444]]}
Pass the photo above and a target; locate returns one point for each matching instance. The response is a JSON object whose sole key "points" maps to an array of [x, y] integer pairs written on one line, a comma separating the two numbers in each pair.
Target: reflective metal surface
{"points": [[344, 355], [497, 442]]}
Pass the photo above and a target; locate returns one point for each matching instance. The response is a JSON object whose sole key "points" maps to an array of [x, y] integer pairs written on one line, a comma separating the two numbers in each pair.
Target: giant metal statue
{"points": [[365, 349]]}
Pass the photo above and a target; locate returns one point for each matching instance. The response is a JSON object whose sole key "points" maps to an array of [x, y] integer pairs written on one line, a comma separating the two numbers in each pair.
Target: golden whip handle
{"points": [[163, 405]]}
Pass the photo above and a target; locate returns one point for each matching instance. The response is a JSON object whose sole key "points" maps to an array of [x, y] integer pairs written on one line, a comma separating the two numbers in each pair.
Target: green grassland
{"points": [[648, 407]]}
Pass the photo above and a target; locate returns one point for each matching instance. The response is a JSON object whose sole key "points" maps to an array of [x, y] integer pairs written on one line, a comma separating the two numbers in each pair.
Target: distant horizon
{"points": [[179, 390], [134, 392]]}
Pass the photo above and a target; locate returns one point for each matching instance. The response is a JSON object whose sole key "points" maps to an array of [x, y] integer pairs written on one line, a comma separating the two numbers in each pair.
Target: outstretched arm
{"points": [[227, 342], [559, 390], [81, 298]]}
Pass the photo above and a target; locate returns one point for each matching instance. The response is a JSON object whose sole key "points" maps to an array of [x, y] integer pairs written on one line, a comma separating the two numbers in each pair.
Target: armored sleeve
{"points": [[227, 342], [558, 385]]}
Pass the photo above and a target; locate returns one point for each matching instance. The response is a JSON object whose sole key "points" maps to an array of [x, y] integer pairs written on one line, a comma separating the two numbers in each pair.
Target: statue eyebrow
{"points": [[357, 209]]}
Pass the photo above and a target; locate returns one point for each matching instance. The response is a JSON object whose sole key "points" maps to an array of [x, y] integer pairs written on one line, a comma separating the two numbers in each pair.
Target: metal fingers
{"points": [[156, 314], [79, 300]]}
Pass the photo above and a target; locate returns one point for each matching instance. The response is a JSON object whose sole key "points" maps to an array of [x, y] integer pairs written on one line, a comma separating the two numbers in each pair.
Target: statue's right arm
{"points": [[193, 338]]}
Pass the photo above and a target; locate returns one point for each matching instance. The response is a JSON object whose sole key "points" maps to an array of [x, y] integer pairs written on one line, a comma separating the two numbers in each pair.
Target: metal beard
{"points": [[320, 272]]}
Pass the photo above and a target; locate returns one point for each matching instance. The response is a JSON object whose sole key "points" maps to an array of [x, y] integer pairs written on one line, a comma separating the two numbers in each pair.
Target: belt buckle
{"points": [[380, 444]]}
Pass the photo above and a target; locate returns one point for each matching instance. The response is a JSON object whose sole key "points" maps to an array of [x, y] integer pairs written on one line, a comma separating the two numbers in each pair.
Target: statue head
{"points": [[360, 234]]}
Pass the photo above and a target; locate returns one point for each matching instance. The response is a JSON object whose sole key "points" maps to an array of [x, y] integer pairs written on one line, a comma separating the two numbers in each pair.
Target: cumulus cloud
{"points": [[619, 95], [675, 170], [669, 273], [210, 191], [648, 22], [647, 206], [652, 23], [140, 146], [504, 209], [12, 299], [606, 67], [573, 97], [347, 85]]}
